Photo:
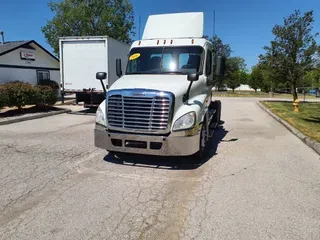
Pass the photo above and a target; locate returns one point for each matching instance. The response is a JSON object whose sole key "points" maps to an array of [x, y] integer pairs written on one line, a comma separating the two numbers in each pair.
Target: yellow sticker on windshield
{"points": [[134, 56]]}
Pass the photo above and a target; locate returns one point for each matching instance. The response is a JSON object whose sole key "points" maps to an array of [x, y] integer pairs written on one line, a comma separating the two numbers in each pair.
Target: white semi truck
{"points": [[162, 104], [81, 58]]}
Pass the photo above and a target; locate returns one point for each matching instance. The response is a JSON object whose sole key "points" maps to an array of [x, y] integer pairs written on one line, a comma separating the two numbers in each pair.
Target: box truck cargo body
{"points": [[81, 58]]}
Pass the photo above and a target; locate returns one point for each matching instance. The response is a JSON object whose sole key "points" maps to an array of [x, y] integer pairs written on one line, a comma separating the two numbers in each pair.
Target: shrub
{"points": [[19, 94], [53, 84], [45, 96], [3, 97]]}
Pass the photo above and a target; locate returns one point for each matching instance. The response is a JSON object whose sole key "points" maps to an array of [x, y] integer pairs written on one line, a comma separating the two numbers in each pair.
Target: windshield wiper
{"points": [[176, 72], [134, 73], [143, 73]]}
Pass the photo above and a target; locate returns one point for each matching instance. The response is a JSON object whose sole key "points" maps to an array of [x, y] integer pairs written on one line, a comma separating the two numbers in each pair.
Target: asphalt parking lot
{"points": [[259, 182]]}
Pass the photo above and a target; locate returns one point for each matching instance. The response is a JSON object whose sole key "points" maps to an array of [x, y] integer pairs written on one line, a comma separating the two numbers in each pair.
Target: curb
{"points": [[67, 102], [34, 117], [308, 141]]}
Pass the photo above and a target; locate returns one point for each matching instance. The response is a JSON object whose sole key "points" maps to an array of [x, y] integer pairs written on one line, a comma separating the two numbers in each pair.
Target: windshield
{"points": [[165, 60]]}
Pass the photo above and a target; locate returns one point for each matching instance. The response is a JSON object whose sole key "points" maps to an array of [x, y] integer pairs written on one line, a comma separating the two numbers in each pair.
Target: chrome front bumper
{"points": [[179, 144]]}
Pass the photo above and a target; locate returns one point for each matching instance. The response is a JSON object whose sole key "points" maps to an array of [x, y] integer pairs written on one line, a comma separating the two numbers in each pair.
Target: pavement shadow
{"points": [[28, 110], [170, 163], [87, 111], [312, 119]]}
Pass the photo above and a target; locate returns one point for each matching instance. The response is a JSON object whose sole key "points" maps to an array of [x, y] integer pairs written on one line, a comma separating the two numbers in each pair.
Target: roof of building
{"points": [[7, 47]]}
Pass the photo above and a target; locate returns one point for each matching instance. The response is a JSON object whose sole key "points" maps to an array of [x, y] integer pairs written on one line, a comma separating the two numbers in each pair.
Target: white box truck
{"points": [[81, 58], [162, 104]]}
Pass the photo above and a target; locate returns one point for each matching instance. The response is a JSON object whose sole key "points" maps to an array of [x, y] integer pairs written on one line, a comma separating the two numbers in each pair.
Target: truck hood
{"points": [[177, 84]]}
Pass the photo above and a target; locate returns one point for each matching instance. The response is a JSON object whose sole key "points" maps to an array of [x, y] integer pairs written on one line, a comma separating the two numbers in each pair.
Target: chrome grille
{"points": [[145, 112]]}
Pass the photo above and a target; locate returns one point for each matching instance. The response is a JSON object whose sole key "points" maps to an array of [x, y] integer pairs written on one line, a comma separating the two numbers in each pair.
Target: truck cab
{"points": [[162, 103]]}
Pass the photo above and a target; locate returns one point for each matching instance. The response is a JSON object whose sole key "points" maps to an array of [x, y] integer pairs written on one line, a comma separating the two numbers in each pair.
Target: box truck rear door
{"points": [[81, 61]]}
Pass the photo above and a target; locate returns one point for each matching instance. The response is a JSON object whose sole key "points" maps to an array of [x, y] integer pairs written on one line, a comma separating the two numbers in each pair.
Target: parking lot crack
{"points": [[240, 171]]}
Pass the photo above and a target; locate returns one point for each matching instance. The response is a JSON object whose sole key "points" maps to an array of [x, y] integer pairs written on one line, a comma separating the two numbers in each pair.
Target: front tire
{"points": [[202, 145], [217, 115]]}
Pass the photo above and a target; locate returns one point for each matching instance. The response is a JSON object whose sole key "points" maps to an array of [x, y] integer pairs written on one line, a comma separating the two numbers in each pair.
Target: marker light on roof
{"points": [[192, 41], [164, 42], [171, 41]]}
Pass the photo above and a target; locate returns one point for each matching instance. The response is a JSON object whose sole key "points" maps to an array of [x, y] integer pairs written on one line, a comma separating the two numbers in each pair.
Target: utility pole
{"points": [[271, 94]]}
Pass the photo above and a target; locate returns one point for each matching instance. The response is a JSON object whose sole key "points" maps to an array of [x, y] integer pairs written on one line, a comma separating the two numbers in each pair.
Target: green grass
{"points": [[257, 94], [307, 120]]}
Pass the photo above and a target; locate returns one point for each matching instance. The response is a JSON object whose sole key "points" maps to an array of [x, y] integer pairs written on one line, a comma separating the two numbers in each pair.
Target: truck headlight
{"points": [[100, 118], [187, 121]]}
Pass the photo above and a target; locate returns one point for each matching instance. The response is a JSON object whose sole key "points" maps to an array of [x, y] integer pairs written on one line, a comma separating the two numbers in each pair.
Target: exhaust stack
{"points": [[2, 37]]}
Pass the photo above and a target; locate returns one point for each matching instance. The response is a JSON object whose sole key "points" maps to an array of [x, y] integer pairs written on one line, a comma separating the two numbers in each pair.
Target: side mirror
{"points": [[220, 66], [118, 67], [193, 77], [101, 75]]}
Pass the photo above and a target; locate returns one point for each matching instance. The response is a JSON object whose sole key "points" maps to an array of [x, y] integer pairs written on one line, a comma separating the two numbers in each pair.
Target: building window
{"points": [[43, 75]]}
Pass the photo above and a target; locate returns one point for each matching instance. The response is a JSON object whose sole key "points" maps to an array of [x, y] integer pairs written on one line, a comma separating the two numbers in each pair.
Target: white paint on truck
{"points": [[187, 25]]}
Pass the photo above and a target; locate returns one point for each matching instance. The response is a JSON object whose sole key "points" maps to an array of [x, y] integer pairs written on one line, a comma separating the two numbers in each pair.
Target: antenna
{"points": [[214, 23], [139, 26], [2, 36]]}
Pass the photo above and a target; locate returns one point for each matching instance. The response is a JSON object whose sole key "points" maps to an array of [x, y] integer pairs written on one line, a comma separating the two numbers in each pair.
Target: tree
{"points": [[313, 78], [234, 80], [219, 49], [271, 78], [256, 78], [244, 77], [235, 63], [235, 72], [293, 50], [113, 18]]}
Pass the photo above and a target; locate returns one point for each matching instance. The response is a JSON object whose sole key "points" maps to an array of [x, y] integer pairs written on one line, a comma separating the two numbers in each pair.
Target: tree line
{"points": [[290, 61], [236, 68]]}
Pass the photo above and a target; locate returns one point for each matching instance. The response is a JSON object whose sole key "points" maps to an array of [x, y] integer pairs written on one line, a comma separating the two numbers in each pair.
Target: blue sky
{"points": [[245, 24]]}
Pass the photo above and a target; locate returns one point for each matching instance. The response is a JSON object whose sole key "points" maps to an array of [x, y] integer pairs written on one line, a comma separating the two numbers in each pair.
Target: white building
{"points": [[245, 87], [242, 87], [27, 61]]}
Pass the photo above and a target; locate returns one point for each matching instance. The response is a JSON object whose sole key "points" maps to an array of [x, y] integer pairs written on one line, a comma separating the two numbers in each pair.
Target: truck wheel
{"points": [[217, 116], [111, 153], [202, 146]]}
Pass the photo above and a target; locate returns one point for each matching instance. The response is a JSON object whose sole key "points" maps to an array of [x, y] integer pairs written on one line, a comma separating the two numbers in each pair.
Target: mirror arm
{"points": [[104, 88], [186, 95]]}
